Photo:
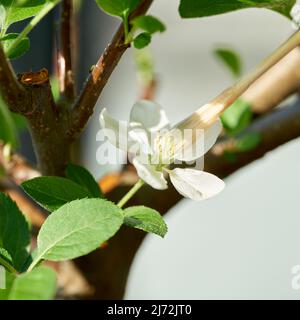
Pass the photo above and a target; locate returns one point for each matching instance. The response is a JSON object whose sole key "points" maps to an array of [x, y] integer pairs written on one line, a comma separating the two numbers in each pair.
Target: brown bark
{"points": [[12, 92], [85, 104], [48, 124], [66, 52]]}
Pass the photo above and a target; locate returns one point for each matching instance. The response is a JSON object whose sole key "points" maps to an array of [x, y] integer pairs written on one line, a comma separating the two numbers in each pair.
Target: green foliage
{"points": [[2, 17], [145, 66], [142, 40], [119, 8], [122, 9], [17, 10], [146, 219], [8, 130], [148, 23], [55, 88], [237, 117], [204, 8], [230, 59], [54, 192], [22, 47], [248, 142], [14, 234], [39, 284], [9, 280], [84, 178], [77, 228]]}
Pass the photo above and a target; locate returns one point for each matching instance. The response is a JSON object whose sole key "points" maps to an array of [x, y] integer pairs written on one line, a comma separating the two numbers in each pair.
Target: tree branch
{"points": [[13, 93], [276, 84], [65, 56], [99, 76]]}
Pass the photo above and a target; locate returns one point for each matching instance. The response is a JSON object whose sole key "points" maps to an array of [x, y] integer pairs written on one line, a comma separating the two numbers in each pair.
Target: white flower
{"points": [[152, 157]]}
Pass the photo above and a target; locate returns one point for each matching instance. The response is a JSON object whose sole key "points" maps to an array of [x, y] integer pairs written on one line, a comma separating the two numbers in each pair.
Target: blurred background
{"points": [[241, 244]]}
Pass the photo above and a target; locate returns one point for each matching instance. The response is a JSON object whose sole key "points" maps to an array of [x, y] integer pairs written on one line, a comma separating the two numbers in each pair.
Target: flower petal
{"points": [[148, 173], [204, 141], [148, 115], [115, 131], [195, 184]]}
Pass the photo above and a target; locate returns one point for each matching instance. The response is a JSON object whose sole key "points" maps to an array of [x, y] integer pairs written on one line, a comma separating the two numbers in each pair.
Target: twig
{"points": [[84, 106], [16, 167], [13, 93], [65, 58]]}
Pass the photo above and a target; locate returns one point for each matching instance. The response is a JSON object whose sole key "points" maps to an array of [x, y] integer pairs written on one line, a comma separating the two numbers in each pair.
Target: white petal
{"points": [[139, 141], [204, 141], [115, 131], [194, 184], [149, 115], [148, 173]]}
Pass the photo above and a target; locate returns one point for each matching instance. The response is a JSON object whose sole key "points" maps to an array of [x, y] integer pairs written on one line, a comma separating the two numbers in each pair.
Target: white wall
{"points": [[243, 243]]}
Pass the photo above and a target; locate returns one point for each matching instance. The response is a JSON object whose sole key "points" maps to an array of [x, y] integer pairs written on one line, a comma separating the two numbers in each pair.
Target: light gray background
{"points": [[243, 243]]}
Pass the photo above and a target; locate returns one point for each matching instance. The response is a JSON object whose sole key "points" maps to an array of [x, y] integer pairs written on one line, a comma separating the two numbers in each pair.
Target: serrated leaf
{"points": [[237, 117], [146, 219], [118, 8], [142, 40], [248, 142], [19, 50], [204, 8], [39, 284], [148, 23], [54, 192], [84, 178], [230, 59], [17, 10], [14, 232], [77, 228]]}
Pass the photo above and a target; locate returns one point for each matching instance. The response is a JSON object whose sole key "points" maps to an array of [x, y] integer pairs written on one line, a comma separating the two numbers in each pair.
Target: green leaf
{"points": [[146, 219], [2, 17], [17, 10], [84, 178], [19, 121], [39, 284], [230, 59], [9, 280], [237, 117], [142, 40], [54, 192], [8, 132], [19, 50], [77, 228], [14, 233], [149, 24], [118, 8], [248, 142], [204, 8]]}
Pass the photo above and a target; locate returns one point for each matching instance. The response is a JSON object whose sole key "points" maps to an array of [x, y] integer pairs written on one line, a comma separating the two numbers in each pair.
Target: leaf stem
{"points": [[8, 266], [34, 21], [126, 26], [130, 193]]}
